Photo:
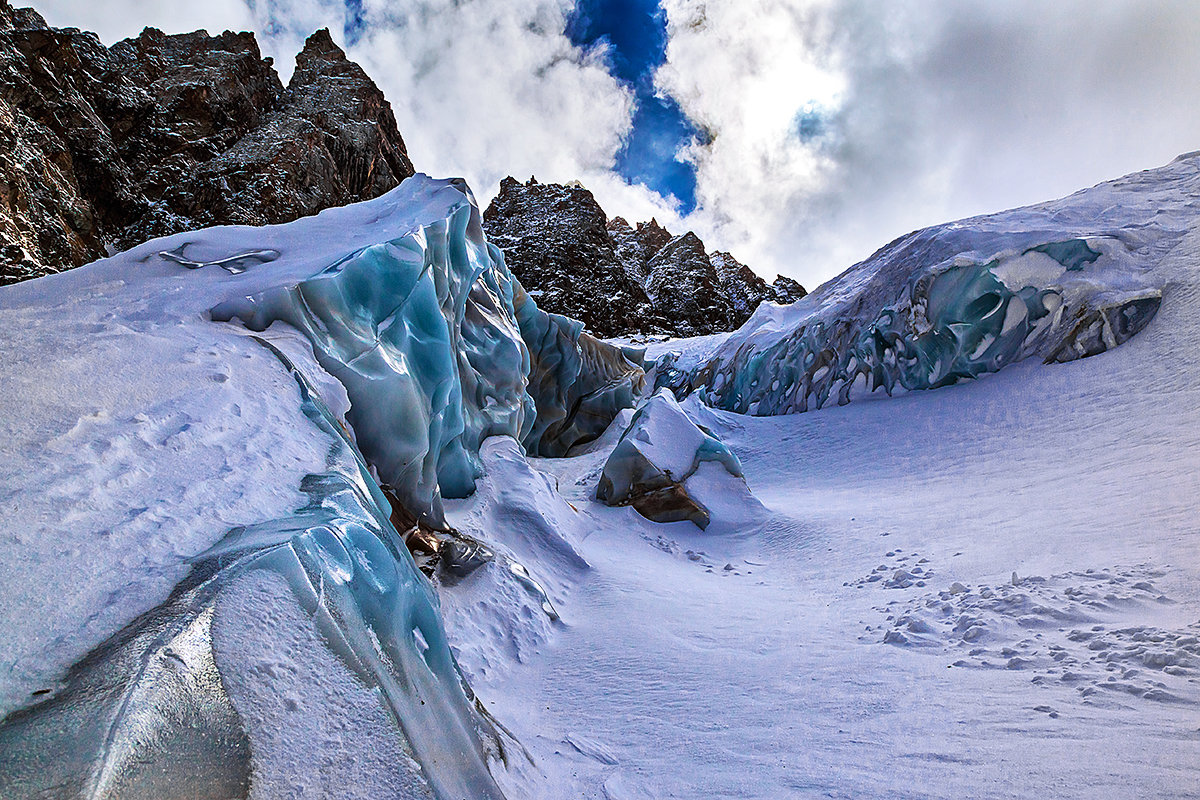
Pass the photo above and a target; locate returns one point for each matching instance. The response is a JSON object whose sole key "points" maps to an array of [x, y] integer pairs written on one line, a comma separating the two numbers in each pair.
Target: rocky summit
{"points": [[620, 279], [106, 147]]}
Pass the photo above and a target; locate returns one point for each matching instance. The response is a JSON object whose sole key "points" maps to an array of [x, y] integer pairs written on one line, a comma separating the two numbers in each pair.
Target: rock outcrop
{"points": [[104, 148], [617, 278], [556, 243]]}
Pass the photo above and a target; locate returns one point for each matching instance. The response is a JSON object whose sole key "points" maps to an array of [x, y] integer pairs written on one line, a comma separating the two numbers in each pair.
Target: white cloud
{"points": [[944, 108], [114, 20], [487, 88]]}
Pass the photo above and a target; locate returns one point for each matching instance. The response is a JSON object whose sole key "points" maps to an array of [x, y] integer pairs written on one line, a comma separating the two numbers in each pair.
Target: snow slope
{"points": [[983, 590], [987, 590]]}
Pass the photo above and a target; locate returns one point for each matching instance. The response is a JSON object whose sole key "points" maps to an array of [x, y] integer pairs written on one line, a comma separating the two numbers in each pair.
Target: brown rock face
{"points": [[104, 148], [616, 278]]}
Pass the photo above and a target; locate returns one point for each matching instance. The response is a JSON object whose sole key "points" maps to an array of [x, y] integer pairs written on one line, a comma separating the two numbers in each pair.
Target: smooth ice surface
{"points": [[1060, 281], [578, 381]]}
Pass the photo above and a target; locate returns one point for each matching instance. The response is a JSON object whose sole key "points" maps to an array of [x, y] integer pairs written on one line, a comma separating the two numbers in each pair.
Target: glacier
{"points": [[1058, 281], [406, 351], [220, 447], [439, 347]]}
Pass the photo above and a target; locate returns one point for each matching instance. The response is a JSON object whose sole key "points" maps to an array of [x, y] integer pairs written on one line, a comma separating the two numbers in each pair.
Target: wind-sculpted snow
{"points": [[439, 347], [1059, 281], [650, 466], [146, 714]]}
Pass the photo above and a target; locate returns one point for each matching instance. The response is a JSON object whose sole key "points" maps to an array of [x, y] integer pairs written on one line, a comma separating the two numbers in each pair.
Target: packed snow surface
{"points": [[988, 590], [984, 590]]}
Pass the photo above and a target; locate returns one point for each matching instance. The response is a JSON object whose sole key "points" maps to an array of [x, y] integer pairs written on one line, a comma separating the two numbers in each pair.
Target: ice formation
{"points": [[1060, 281], [410, 344], [439, 347], [578, 381], [660, 450], [146, 714]]}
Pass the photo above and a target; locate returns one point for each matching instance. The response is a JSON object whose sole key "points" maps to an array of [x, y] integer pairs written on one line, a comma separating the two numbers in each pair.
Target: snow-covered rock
{"points": [[616, 278], [658, 458]]}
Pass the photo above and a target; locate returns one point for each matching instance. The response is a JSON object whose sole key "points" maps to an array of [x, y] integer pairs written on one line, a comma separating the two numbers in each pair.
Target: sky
{"points": [[800, 135]]}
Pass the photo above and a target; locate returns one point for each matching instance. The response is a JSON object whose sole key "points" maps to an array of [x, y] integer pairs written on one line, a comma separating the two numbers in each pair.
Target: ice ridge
{"points": [[439, 347], [1060, 281]]}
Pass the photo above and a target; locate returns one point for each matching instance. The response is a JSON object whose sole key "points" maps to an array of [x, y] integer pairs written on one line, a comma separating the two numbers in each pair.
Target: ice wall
{"points": [[580, 382], [1058, 281], [439, 347]]}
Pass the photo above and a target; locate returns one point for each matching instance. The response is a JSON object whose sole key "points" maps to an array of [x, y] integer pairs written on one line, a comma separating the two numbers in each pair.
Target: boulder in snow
{"points": [[659, 453]]}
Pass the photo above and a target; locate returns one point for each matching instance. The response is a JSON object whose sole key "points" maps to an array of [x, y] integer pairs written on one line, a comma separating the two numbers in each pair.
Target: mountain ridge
{"points": [[620, 279]]}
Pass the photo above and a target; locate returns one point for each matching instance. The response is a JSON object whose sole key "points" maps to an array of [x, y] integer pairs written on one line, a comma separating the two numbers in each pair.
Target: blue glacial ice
{"points": [[439, 347], [410, 312], [1058, 281]]}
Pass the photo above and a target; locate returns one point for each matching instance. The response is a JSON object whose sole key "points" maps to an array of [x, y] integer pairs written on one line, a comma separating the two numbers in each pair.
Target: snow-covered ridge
{"points": [[1060, 280]]}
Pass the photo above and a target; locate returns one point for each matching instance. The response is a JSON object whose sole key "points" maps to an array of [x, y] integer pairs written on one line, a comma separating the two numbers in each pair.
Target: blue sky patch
{"points": [[635, 32]]}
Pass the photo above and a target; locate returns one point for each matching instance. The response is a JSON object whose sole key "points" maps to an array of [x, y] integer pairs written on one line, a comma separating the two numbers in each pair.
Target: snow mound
{"points": [[1061, 281]]}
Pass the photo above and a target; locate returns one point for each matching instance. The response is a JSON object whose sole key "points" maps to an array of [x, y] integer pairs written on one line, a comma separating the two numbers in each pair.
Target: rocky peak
{"points": [[652, 237], [746, 290], [630, 251], [321, 47], [356, 119], [617, 278], [683, 284], [19, 18], [556, 242], [104, 148], [787, 290]]}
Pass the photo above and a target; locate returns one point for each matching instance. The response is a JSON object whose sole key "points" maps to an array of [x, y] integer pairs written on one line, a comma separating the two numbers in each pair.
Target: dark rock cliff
{"points": [[616, 278], [555, 241], [104, 148]]}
